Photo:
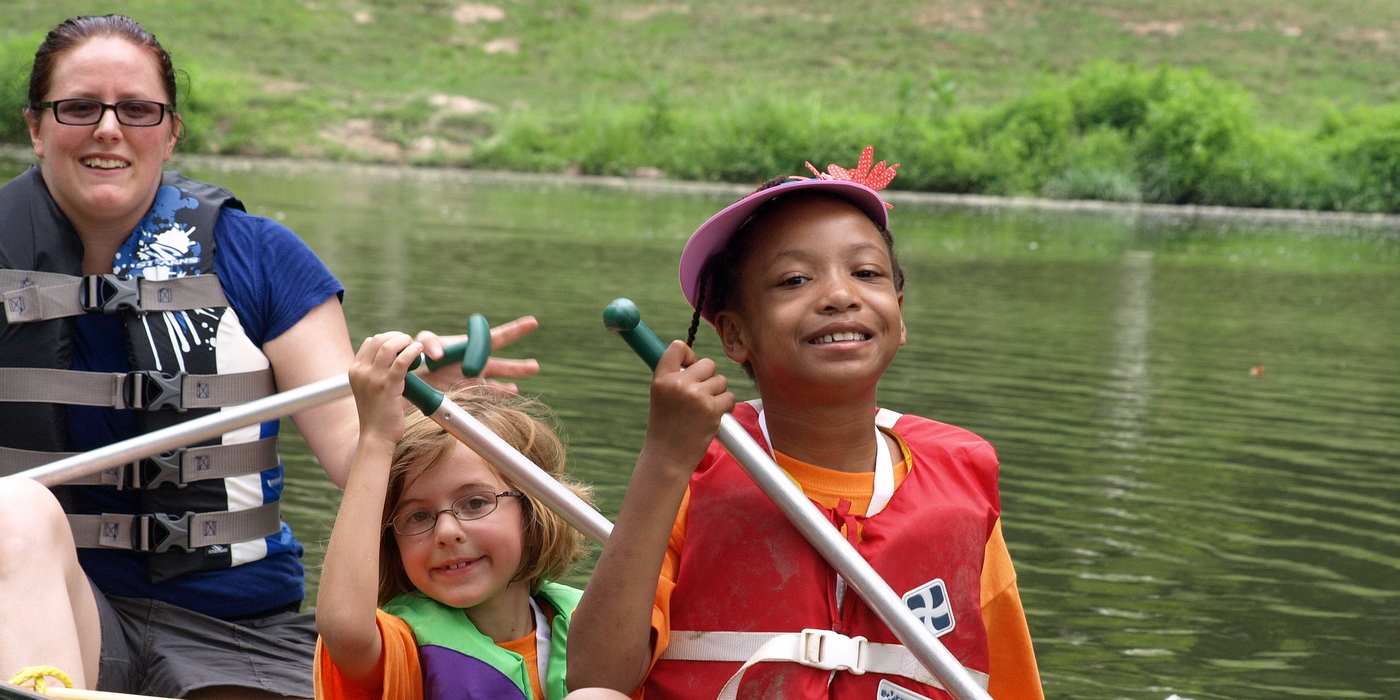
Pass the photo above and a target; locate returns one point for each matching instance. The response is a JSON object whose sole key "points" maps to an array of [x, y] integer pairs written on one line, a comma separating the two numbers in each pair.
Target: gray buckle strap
{"points": [[144, 389], [14, 460], [110, 293], [40, 296], [821, 649], [187, 465], [159, 532]]}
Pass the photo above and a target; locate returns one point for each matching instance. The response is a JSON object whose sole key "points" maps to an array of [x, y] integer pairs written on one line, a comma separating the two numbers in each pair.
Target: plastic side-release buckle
{"points": [[156, 470], [109, 294], [151, 390], [158, 532], [833, 651]]}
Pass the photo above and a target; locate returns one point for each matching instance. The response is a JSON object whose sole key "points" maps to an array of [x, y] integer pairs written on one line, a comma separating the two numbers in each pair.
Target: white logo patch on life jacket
{"points": [[930, 604], [889, 691]]}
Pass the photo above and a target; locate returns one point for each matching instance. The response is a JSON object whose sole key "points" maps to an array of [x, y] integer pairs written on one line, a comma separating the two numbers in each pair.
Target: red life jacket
{"points": [[744, 568]]}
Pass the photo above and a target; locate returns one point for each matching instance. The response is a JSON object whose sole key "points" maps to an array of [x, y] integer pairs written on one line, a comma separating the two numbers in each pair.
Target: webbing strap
{"points": [[31, 384], [14, 460], [188, 465], [219, 390], [159, 532], [40, 296], [822, 649], [142, 389]]}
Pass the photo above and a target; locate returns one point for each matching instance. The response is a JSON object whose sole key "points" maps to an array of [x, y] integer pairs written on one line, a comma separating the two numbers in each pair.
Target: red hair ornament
{"points": [[876, 178]]}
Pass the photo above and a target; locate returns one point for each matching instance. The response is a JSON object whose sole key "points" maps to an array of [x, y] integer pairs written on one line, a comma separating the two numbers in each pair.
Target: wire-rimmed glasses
{"points": [[472, 506]]}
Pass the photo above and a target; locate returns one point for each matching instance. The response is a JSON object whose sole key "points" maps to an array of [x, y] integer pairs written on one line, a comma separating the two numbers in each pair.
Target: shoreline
{"points": [[1169, 214]]}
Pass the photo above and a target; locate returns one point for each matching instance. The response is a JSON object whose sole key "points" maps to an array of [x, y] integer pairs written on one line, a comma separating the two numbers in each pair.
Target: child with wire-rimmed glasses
{"points": [[439, 571]]}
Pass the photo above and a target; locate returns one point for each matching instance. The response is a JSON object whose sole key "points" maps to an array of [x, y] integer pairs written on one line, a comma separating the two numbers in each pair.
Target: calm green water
{"points": [[1178, 525]]}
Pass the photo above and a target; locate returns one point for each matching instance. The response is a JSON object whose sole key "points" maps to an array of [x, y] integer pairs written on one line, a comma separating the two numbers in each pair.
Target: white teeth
{"points": [[838, 337], [104, 163], [457, 566]]}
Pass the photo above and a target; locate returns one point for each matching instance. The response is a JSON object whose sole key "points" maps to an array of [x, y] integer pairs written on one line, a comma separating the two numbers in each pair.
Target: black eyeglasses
{"points": [[83, 112], [473, 506]]}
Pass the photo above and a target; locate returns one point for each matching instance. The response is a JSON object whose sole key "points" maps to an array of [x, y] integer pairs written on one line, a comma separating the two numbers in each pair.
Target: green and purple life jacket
{"points": [[461, 663]]}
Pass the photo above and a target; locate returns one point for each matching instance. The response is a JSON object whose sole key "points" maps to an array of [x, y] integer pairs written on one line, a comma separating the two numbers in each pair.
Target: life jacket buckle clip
{"points": [[832, 651], [174, 532], [109, 294], [156, 470], [150, 390]]}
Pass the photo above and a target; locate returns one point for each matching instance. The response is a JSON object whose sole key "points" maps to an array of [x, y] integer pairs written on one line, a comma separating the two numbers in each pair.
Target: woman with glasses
{"points": [[135, 299]]}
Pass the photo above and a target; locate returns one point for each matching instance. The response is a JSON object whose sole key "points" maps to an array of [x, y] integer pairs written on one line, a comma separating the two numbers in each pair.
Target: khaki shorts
{"points": [[155, 648]]}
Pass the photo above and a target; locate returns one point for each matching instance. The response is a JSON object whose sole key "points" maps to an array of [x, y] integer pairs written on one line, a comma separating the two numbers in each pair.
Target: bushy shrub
{"points": [[1365, 147], [1099, 164], [1188, 135], [16, 58]]}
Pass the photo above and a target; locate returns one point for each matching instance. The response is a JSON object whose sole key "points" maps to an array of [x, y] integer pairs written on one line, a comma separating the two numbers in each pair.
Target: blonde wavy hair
{"points": [[551, 545]]}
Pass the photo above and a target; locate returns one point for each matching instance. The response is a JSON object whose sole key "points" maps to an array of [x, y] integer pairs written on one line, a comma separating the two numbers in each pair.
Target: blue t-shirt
{"points": [[271, 279]]}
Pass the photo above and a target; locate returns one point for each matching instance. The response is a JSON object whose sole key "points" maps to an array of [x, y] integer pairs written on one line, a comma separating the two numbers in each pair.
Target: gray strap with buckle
{"points": [[185, 466], [37, 385], [188, 532], [40, 296]]}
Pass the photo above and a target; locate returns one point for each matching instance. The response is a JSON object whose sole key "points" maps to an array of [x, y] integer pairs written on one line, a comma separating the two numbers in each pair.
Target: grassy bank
{"points": [[1274, 104]]}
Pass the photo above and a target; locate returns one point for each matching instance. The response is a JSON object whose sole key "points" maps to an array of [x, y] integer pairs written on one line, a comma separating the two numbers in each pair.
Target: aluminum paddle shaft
{"points": [[623, 318]]}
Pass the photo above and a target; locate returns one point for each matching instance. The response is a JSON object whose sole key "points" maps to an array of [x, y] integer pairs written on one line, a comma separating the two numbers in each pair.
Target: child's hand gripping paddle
{"points": [[623, 318], [515, 466]]}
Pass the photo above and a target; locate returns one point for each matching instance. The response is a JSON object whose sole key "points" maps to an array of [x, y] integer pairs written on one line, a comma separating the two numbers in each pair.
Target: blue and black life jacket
{"points": [[203, 507]]}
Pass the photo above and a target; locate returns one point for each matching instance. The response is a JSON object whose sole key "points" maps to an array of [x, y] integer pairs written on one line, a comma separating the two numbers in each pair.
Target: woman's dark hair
{"points": [[719, 277], [73, 32]]}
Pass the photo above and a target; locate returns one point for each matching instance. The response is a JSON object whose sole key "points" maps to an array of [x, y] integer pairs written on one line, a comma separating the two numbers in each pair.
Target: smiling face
{"points": [[105, 174], [465, 564], [817, 310]]}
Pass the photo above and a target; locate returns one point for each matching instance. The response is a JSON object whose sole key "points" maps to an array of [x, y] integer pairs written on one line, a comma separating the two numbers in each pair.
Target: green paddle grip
{"points": [[421, 394], [473, 353], [478, 346], [623, 318]]}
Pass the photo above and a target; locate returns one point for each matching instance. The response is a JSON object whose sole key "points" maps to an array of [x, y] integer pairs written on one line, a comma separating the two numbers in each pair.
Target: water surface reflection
{"points": [[1178, 524]]}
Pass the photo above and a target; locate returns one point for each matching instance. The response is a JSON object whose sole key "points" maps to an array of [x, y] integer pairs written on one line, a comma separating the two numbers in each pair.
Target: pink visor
{"points": [[712, 236]]}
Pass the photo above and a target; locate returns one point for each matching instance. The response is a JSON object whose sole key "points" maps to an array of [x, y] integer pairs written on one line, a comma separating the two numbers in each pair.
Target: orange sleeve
{"points": [[1014, 674], [670, 567], [397, 677]]}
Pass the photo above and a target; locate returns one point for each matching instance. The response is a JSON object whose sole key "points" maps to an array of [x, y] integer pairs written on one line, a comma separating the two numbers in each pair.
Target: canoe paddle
{"points": [[623, 318]]}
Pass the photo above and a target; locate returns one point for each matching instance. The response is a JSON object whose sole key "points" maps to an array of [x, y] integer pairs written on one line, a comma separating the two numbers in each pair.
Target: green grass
{"points": [[1265, 103]]}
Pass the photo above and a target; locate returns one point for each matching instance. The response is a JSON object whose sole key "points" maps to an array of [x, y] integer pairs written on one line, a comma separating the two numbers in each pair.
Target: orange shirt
{"points": [[1014, 674], [525, 646], [398, 676]]}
